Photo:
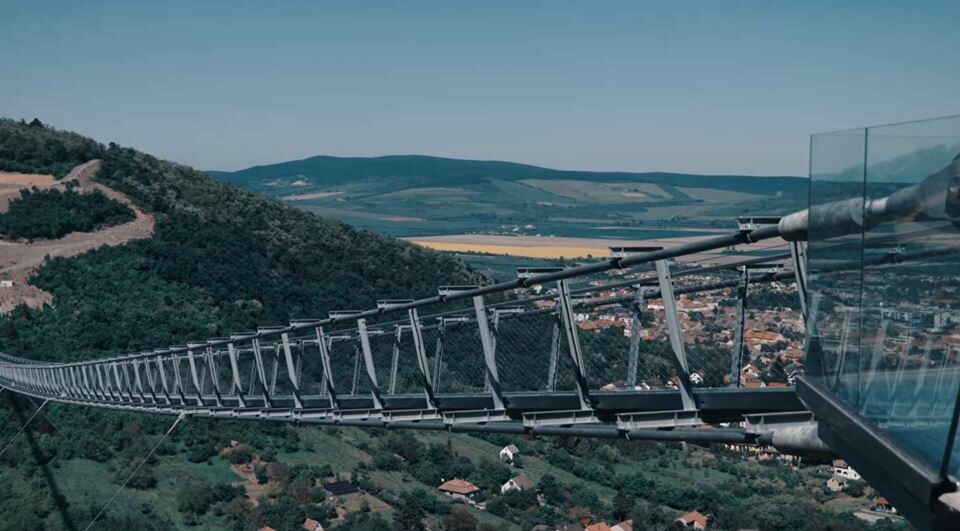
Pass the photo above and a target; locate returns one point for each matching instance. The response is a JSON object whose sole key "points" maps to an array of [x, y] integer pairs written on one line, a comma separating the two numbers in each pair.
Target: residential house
{"points": [[691, 520], [842, 469], [599, 526], [762, 337], [882, 505], [626, 525], [458, 489], [520, 483], [6, 283], [836, 484], [576, 526], [509, 452], [312, 525]]}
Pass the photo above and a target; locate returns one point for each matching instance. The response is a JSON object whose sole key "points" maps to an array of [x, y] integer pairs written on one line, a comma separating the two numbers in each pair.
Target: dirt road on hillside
{"points": [[19, 259]]}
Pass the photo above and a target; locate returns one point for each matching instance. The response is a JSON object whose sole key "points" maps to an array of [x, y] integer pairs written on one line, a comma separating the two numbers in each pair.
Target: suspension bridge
{"points": [[522, 357]]}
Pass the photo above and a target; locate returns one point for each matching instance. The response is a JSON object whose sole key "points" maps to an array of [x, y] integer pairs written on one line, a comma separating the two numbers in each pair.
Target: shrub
{"points": [[52, 213]]}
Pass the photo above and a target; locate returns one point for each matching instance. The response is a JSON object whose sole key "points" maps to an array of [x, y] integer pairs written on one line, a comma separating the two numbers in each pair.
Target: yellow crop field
{"points": [[545, 251]]}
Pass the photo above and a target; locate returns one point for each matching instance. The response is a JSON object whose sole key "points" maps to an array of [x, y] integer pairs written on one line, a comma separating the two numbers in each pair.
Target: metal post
{"points": [[368, 363], [799, 257], [214, 374], [138, 382], [327, 371], [554, 355], [569, 320], [291, 370], [65, 386], [68, 383], [131, 385], [636, 329], [673, 329], [489, 356], [163, 378], [92, 391], [235, 372], [356, 370], [102, 383], [177, 380], [194, 376], [395, 359], [493, 345], [261, 372], [80, 380], [423, 365], [739, 339], [438, 353], [275, 369]]}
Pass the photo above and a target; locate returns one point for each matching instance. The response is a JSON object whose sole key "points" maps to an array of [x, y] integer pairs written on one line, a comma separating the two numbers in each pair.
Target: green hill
{"points": [[424, 171], [415, 195]]}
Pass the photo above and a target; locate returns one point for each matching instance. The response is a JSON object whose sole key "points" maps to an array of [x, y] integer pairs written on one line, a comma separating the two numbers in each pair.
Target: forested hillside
{"points": [[35, 148], [222, 260]]}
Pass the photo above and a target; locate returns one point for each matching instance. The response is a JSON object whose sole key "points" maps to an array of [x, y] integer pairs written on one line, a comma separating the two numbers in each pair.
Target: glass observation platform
{"points": [[883, 349]]}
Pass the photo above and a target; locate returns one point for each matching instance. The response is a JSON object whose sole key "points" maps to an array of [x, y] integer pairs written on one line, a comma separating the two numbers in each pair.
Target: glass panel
{"points": [[836, 174], [885, 290], [909, 288]]}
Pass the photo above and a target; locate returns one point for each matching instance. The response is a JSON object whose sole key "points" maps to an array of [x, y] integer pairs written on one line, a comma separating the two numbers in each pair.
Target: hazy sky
{"points": [[707, 87]]}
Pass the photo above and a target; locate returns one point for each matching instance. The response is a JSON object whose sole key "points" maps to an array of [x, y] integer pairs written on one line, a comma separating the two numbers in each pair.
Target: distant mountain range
{"points": [[420, 171]]}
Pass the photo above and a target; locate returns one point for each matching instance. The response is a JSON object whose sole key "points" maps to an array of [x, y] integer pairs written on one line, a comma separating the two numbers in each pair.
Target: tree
{"points": [[278, 472], [623, 505], [409, 517], [240, 455], [260, 471], [552, 491], [283, 514], [855, 488], [460, 519], [143, 479]]}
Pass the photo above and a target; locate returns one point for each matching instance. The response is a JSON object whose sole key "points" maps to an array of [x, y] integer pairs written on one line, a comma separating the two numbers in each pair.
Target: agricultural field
{"points": [[409, 196], [482, 208], [562, 248]]}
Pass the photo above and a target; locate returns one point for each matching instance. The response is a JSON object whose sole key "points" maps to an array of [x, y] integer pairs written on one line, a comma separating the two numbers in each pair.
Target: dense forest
{"points": [[35, 148], [54, 213], [225, 260]]}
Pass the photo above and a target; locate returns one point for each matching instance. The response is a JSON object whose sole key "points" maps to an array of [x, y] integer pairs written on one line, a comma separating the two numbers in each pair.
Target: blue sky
{"points": [[705, 87]]}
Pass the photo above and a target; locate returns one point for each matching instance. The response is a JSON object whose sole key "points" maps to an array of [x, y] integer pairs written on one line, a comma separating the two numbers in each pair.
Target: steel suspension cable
{"points": [[22, 428], [143, 462]]}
